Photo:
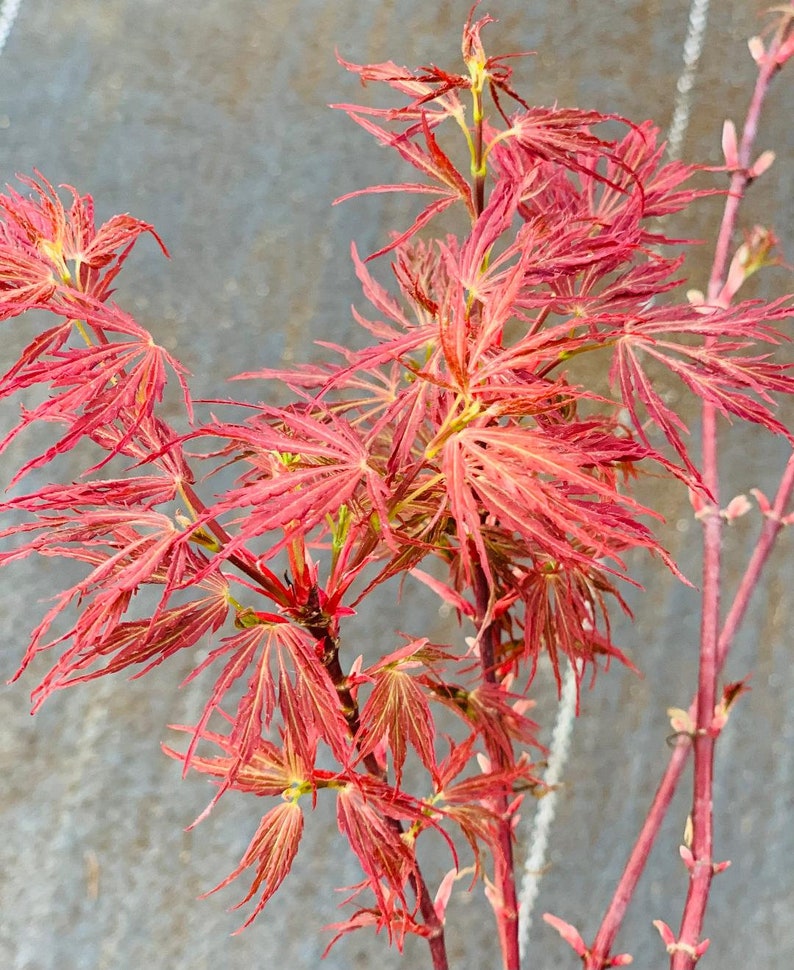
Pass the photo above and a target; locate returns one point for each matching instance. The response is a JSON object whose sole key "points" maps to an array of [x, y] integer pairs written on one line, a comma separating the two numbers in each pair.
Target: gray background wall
{"points": [[209, 120]]}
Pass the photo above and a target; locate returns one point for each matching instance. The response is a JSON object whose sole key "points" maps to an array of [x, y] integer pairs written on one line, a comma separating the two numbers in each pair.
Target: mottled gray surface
{"points": [[209, 120]]}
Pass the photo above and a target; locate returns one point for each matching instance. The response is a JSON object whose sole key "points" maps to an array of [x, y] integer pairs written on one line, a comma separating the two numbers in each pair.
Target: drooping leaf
{"points": [[272, 851]]}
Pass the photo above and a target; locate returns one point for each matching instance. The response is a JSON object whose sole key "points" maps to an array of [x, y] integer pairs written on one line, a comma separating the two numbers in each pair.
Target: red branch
{"points": [[714, 650]]}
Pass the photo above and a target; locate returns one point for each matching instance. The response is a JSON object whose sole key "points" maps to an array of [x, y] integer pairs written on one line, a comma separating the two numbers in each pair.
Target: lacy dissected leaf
{"points": [[278, 664], [269, 771], [716, 370], [385, 856], [64, 245], [540, 487], [26, 283], [94, 387], [566, 611], [397, 714], [473, 803], [126, 549], [431, 161], [304, 468], [396, 920], [151, 641], [423, 87], [272, 851], [494, 714], [142, 491], [154, 442]]}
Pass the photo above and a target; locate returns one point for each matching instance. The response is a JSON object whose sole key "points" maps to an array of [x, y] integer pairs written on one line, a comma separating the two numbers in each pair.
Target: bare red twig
{"points": [[689, 945], [599, 953], [714, 650]]}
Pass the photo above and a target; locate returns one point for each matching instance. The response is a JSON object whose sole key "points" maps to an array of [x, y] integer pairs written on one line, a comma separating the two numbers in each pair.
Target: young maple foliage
{"points": [[459, 436]]}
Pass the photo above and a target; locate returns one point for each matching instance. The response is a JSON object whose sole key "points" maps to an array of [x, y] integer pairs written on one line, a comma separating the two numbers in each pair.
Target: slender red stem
{"points": [[435, 927], [597, 957], [478, 165], [604, 941], [506, 908], [740, 179], [763, 548], [239, 560], [701, 867]]}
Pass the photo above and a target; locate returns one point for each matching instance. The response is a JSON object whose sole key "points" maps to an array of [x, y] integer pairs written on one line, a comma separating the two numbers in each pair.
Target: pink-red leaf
{"points": [[397, 714], [272, 851]]}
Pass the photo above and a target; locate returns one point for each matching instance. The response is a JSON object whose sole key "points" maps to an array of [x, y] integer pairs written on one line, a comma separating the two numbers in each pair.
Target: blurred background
{"points": [[210, 120]]}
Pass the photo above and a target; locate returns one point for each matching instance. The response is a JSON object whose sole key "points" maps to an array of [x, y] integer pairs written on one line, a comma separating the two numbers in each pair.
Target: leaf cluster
{"points": [[459, 447]]}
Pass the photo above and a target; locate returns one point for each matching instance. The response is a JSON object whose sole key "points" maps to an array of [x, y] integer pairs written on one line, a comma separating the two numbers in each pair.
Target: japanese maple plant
{"points": [[464, 448]]}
